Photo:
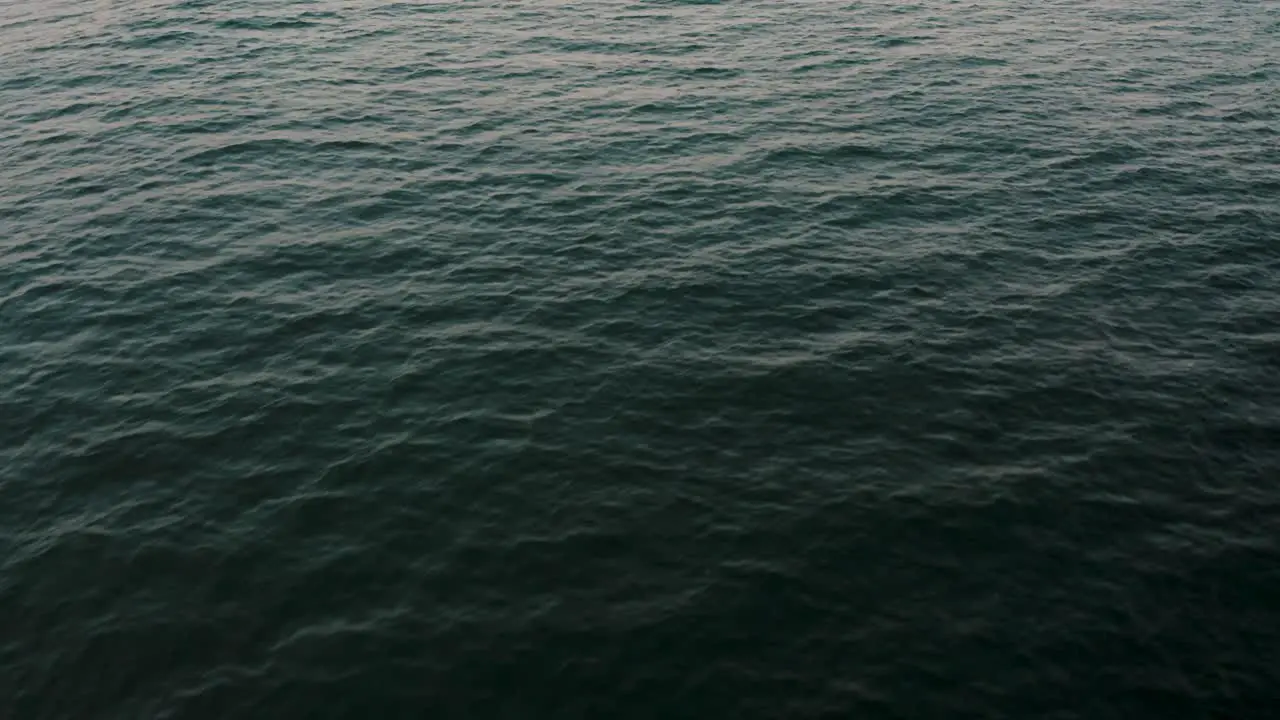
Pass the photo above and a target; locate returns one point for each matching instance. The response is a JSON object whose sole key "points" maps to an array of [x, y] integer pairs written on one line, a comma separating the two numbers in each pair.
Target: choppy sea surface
{"points": [[602, 359]]}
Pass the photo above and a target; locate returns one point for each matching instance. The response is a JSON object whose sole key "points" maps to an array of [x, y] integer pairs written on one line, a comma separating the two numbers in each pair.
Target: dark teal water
{"points": [[613, 359]]}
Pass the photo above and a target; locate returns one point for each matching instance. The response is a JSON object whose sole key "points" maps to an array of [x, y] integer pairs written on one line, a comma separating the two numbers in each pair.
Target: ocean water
{"points": [[621, 359]]}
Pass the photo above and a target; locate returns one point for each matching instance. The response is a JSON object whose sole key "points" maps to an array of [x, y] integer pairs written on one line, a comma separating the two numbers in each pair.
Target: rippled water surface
{"points": [[547, 359]]}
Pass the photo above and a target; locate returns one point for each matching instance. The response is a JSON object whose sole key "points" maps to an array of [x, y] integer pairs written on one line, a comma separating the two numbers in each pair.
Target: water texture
{"points": [[545, 359]]}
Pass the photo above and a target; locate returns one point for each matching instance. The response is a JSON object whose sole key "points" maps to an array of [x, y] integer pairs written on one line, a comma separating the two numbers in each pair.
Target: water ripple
{"points": [[659, 359]]}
